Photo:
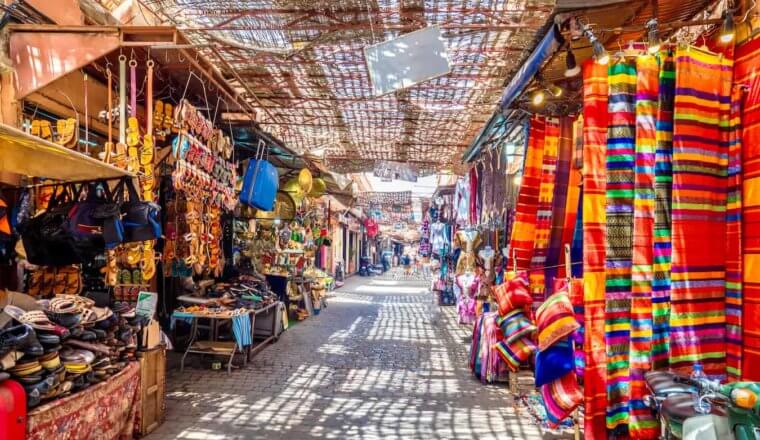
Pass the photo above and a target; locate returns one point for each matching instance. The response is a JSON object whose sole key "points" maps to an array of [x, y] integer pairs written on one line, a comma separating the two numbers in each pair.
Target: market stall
{"points": [[612, 169]]}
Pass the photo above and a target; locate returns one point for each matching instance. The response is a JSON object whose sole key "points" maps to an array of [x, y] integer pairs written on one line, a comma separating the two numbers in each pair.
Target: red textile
{"points": [[523, 230], [747, 73], [105, 411], [595, 91]]}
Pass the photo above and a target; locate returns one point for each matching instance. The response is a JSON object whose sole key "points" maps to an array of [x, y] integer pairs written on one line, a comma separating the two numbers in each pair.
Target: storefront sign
{"points": [[146, 304]]}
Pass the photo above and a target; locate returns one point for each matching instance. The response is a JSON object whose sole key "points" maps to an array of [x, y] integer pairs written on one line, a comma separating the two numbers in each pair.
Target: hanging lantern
{"points": [[318, 187], [305, 180], [293, 187]]}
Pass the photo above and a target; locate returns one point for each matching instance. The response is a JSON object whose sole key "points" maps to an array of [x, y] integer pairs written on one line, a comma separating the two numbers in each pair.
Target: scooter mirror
{"points": [[743, 398]]}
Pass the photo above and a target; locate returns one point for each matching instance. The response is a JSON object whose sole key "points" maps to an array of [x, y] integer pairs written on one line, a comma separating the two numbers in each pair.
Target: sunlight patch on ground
{"points": [[384, 289]]}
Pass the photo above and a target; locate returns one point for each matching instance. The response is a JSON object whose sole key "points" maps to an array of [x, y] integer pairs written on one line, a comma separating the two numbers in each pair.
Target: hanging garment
{"points": [[642, 424], [747, 74], [523, 228], [474, 211], [544, 212], [555, 253], [462, 201], [595, 115], [663, 186], [468, 284], [621, 137], [700, 163], [438, 237]]}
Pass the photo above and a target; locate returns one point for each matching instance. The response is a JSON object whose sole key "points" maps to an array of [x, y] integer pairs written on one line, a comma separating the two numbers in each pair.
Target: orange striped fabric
{"points": [[595, 113], [523, 228]]}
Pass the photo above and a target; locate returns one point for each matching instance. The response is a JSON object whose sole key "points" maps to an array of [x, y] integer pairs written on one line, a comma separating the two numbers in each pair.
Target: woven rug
{"points": [[544, 212], [573, 206], [523, 226], [560, 209], [642, 424], [594, 220], [663, 186], [621, 135], [747, 74], [700, 165]]}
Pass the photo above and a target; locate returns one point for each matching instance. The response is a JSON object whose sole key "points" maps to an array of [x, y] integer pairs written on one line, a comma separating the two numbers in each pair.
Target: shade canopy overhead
{"points": [[302, 64]]}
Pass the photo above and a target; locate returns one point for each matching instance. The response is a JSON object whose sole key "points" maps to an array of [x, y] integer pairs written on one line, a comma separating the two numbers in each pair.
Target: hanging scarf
{"points": [[663, 185], [560, 211], [544, 212], [620, 183], [573, 204], [523, 227], [700, 164], [594, 220], [642, 424], [747, 74]]}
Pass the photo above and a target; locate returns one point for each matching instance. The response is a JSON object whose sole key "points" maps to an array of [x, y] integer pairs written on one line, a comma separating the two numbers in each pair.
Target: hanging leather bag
{"points": [[47, 237], [95, 220], [141, 220], [260, 182]]}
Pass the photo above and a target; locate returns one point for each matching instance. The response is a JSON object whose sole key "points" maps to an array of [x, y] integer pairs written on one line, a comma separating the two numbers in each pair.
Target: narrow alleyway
{"points": [[372, 365]]}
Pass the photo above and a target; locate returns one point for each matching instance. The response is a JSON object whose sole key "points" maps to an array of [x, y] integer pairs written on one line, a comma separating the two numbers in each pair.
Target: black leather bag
{"points": [[94, 221], [47, 237], [141, 220]]}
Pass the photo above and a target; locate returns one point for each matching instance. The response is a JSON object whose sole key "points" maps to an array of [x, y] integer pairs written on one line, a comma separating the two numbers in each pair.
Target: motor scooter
{"points": [[703, 409]]}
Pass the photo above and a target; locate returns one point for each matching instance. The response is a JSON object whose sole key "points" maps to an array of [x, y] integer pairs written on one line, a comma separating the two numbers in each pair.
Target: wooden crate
{"points": [[152, 389]]}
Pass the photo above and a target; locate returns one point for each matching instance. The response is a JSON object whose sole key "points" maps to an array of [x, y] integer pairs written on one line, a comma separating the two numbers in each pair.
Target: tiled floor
{"points": [[372, 365]]}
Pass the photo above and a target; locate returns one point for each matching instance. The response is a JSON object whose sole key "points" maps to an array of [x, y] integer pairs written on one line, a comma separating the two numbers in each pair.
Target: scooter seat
{"points": [[662, 384], [680, 407]]}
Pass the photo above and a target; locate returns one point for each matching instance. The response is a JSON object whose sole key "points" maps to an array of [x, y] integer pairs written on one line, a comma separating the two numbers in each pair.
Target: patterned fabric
{"points": [[621, 137], [700, 163], [523, 227], [594, 220], [515, 353], [513, 293], [561, 397], [492, 369], [555, 253], [642, 424], [572, 206], [104, 411], [555, 320], [663, 187], [515, 325], [734, 240], [544, 211], [747, 74]]}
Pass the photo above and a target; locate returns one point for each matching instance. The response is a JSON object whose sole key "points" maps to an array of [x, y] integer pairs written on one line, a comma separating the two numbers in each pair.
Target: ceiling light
{"points": [[728, 31], [538, 98], [555, 90], [600, 53], [653, 37], [571, 66]]}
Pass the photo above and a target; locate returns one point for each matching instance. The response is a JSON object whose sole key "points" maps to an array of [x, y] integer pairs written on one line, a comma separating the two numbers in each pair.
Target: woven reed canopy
{"points": [[302, 64]]}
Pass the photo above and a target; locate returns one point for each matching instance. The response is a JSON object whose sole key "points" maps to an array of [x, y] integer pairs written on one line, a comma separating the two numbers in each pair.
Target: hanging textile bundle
{"points": [[620, 183], [747, 74], [700, 162], [595, 90], [734, 239], [663, 185], [523, 228], [544, 212], [642, 424]]}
